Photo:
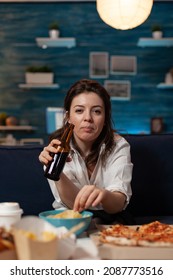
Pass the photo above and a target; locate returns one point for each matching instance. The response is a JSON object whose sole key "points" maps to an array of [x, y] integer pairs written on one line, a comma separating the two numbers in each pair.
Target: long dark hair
{"points": [[107, 134]]}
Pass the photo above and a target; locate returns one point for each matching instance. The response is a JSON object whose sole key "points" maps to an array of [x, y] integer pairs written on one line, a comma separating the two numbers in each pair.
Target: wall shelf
{"points": [[165, 86], [17, 128], [39, 86], [59, 42], [150, 42]]}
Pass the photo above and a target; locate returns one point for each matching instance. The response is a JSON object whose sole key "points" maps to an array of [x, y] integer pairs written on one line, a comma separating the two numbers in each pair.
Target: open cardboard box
{"points": [[37, 249]]}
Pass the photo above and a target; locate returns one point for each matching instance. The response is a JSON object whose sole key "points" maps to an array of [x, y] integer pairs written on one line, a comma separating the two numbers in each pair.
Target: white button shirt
{"points": [[115, 175]]}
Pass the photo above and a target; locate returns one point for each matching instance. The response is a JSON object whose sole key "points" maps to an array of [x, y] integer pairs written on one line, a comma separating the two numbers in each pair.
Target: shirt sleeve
{"points": [[119, 170]]}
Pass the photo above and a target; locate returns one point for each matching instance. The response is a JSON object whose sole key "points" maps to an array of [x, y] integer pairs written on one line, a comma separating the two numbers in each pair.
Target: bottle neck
{"points": [[67, 134]]}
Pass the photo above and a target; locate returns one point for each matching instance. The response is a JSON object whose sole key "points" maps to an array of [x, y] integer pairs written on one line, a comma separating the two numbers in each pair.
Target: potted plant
{"points": [[39, 75], [157, 31], [54, 30], [3, 117]]}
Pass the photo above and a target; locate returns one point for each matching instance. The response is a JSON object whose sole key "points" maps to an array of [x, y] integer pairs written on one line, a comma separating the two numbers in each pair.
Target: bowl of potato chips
{"points": [[68, 219]]}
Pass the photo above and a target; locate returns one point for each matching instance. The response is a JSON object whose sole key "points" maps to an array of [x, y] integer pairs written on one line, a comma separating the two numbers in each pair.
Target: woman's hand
{"points": [[88, 196], [45, 156]]}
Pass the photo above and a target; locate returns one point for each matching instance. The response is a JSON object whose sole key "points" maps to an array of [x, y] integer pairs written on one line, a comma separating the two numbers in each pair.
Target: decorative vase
{"points": [[168, 78], [54, 33], [157, 34], [39, 78], [11, 121]]}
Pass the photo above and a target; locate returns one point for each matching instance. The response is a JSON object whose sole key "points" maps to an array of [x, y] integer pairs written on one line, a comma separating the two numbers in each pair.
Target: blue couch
{"points": [[22, 178]]}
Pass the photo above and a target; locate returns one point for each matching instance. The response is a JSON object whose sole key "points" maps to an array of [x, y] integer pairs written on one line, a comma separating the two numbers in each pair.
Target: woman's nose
{"points": [[88, 116]]}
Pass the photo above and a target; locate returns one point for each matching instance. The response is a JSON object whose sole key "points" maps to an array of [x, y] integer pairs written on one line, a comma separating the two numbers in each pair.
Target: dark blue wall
{"points": [[20, 24]]}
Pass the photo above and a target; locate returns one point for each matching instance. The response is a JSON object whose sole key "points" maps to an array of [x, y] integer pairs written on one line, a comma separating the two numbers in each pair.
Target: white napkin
{"points": [[85, 250]]}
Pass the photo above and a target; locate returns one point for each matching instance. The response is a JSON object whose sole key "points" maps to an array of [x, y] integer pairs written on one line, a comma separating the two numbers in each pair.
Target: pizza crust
{"points": [[121, 241], [145, 243]]}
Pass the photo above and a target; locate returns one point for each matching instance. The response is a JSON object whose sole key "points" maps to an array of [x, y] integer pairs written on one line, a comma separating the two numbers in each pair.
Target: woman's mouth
{"points": [[87, 129]]}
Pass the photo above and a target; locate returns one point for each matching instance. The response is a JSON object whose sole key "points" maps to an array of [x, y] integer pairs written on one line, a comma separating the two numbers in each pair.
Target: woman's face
{"points": [[87, 113]]}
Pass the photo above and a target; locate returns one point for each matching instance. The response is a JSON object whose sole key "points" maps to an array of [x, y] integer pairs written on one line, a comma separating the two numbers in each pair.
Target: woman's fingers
{"points": [[98, 199], [92, 197], [80, 199], [45, 156], [88, 196]]}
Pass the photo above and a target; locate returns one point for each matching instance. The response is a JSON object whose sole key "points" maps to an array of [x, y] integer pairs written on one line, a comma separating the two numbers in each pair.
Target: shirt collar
{"points": [[74, 151]]}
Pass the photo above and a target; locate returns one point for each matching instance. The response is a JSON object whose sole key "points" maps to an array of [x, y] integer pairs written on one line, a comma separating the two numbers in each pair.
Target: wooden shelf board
{"points": [[165, 86], [150, 42], [59, 42], [42, 86], [17, 128]]}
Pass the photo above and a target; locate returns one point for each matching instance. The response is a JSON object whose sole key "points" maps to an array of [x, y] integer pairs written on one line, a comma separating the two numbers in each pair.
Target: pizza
{"points": [[154, 234]]}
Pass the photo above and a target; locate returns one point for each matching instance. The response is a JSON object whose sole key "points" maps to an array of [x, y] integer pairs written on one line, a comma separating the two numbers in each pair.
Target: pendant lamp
{"points": [[124, 14]]}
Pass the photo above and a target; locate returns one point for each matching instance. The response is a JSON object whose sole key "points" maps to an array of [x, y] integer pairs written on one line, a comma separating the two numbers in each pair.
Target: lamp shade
{"points": [[124, 14]]}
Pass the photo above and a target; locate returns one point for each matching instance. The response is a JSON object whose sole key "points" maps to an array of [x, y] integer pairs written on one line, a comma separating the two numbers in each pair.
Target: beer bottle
{"points": [[55, 167]]}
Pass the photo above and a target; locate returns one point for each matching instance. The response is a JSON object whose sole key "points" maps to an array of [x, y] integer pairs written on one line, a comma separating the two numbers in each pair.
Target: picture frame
{"points": [[98, 64], [118, 90], [54, 118], [157, 125], [123, 65]]}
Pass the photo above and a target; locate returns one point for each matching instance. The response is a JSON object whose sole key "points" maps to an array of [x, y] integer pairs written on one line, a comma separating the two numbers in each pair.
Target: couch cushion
{"points": [[22, 179], [152, 182]]}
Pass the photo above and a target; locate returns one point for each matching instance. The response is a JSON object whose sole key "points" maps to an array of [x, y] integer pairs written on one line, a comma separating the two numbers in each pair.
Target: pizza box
{"points": [[117, 252]]}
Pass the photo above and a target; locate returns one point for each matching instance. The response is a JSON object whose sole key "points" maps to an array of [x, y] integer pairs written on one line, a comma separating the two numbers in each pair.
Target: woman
{"points": [[98, 174]]}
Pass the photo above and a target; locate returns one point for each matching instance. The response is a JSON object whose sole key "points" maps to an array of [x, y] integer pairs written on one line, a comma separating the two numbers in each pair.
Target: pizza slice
{"points": [[119, 235], [155, 227], [155, 234]]}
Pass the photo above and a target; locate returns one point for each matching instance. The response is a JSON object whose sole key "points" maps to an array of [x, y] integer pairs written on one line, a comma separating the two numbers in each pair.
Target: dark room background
{"points": [[22, 23]]}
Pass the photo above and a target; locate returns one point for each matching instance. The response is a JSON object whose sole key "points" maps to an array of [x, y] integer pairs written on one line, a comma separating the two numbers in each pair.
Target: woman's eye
{"points": [[78, 110], [98, 112]]}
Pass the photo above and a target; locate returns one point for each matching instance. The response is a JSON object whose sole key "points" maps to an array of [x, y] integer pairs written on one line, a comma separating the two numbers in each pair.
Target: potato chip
{"points": [[67, 214]]}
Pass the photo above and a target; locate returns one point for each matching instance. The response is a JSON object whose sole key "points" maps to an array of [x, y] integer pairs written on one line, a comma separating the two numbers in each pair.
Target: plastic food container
{"points": [[10, 213]]}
